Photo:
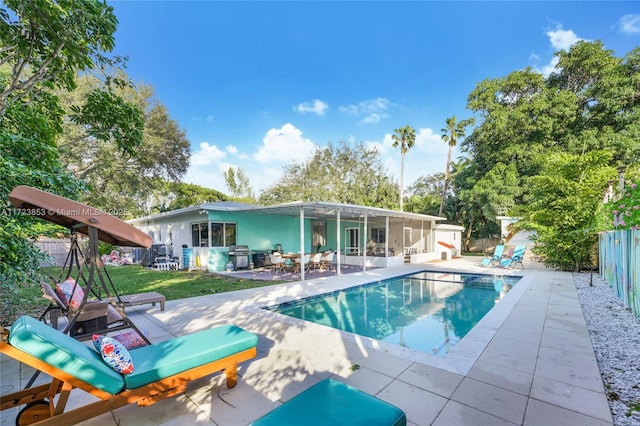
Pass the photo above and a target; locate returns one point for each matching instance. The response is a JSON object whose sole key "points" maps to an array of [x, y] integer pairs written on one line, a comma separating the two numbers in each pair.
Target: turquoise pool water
{"points": [[426, 311]]}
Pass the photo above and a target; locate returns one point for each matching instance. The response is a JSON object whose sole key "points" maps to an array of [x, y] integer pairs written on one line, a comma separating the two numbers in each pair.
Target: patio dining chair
{"points": [[315, 262], [277, 263], [327, 261], [302, 262]]}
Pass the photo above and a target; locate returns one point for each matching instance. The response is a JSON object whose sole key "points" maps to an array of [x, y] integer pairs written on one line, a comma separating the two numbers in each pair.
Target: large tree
{"points": [[561, 206], [42, 47], [45, 43], [342, 174], [122, 181], [405, 138], [453, 131], [588, 104], [239, 185], [177, 195], [423, 195]]}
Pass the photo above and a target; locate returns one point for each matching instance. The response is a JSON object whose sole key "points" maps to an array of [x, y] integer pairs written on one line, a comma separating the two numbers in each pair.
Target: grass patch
{"points": [[136, 279], [177, 284]]}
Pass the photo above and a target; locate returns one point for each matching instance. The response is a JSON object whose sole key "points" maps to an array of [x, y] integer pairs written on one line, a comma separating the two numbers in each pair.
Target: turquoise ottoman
{"points": [[334, 403]]}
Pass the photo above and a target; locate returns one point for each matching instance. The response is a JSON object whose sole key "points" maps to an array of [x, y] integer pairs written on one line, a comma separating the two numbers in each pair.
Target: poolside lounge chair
{"points": [[495, 258], [516, 258], [161, 371], [330, 402]]}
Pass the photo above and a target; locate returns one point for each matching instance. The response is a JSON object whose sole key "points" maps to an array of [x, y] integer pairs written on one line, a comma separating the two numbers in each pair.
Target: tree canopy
{"points": [[42, 47], [126, 182], [239, 185], [341, 174], [588, 105]]}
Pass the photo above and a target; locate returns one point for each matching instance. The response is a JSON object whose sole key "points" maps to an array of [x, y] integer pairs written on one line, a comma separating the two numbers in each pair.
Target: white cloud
{"points": [[206, 155], [629, 24], [316, 107], [349, 109], [562, 39], [263, 168], [210, 177], [373, 110], [549, 68], [372, 118], [210, 118], [430, 142], [284, 145]]}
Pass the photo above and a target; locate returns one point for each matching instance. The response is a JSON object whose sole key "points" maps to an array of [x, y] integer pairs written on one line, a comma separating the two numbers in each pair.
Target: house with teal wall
{"points": [[202, 235]]}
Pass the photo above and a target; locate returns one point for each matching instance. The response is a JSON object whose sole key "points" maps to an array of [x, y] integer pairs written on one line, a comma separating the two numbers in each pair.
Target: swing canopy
{"points": [[74, 215]]}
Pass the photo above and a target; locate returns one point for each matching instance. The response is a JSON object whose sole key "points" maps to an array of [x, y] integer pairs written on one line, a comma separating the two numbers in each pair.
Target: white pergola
{"points": [[338, 212]]}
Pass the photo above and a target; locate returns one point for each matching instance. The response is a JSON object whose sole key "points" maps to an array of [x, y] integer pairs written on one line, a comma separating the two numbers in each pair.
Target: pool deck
{"points": [[528, 362]]}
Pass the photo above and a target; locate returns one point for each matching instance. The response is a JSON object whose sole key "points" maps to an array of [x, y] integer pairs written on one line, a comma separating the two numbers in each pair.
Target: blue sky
{"points": [[257, 85]]}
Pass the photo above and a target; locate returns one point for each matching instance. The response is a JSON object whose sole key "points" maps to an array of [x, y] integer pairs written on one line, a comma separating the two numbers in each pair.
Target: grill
{"points": [[239, 256]]}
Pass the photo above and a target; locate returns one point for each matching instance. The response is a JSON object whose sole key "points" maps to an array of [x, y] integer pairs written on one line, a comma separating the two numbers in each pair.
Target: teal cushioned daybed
{"points": [[164, 359], [333, 403], [162, 370]]}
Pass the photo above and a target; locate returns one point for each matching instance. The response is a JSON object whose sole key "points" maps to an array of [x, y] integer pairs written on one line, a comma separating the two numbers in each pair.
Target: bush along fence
{"points": [[619, 263]]}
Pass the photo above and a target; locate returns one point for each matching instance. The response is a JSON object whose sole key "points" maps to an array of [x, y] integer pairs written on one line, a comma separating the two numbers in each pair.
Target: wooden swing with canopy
{"points": [[107, 313], [162, 370]]}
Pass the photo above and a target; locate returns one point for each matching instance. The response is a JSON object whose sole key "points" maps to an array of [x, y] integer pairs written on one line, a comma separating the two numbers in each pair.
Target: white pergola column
{"points": [[364, 238], [302, 243], [386, 241], [338, 251]]}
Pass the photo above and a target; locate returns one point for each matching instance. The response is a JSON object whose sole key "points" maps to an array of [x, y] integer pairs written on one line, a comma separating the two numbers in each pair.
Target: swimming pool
{"points": [[426, 311]]}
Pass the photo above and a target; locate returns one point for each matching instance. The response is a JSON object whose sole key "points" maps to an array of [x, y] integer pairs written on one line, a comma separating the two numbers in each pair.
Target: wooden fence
{"points": [[58, 249], [619, 263]]}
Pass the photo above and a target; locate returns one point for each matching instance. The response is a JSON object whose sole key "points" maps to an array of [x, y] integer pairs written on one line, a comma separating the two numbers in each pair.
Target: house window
{"points": [[223, 234], [200, 234], [230, 234], [319, 234], [378, 235]]}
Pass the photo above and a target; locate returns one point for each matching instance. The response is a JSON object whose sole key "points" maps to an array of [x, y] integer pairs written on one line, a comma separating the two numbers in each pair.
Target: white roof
{"points": [[318, 209]]}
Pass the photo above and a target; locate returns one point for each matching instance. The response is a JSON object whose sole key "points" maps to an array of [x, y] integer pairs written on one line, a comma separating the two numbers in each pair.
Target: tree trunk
{"points": [[446, 181], [467, 238], [401, 180]]}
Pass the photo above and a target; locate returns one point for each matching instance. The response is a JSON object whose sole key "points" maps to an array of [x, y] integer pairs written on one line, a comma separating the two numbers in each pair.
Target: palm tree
{"points": [[450, 135], [405, 137]]}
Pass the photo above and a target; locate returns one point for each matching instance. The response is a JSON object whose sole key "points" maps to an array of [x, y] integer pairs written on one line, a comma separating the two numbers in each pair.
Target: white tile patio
{"points": [[528, 362]]}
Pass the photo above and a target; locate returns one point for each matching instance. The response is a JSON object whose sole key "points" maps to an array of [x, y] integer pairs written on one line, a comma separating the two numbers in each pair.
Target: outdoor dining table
{"points": [[293, 257]]}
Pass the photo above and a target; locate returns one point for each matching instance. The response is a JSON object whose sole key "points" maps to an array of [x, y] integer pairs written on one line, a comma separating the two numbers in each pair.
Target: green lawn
{"points": [[177, 284], [136, 279]]}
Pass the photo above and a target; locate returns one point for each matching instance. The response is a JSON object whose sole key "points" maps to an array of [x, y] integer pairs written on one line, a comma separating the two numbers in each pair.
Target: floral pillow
{"points": [[131, 340], [60, 291], [70, 293], [114, 354]]}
